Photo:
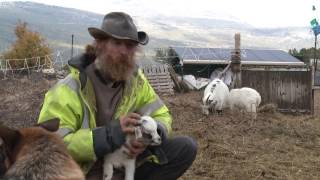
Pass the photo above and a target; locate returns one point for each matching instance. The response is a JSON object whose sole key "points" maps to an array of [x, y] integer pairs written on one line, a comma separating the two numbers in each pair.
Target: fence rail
{"points": [[9, 67]]}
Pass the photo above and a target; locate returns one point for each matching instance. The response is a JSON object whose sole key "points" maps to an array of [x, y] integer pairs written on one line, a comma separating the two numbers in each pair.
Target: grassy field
{"points": [[233, 146], [274, 146]]}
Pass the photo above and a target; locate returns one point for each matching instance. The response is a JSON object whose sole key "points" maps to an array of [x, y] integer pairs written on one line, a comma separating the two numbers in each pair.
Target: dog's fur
{"points": [[4, 160], [35, 153], [147, 130]]}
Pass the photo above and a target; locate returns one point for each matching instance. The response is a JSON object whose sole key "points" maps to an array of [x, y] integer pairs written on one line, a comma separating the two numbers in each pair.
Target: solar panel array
{"points": [[225, 54]]}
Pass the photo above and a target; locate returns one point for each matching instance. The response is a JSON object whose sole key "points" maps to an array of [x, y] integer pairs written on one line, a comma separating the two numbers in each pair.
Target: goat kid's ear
{"points": [[51, 125], [141, 121], [9, 137]]}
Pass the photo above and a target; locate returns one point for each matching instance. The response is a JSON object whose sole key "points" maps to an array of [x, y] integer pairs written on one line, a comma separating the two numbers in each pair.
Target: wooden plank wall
{"points": [[159, 78], [290, 90], [316, 101]]}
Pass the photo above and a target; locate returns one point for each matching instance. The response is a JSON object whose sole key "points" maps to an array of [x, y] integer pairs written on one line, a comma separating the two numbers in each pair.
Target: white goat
{"points": [[119, 158], [246, 99], [215, 96]]}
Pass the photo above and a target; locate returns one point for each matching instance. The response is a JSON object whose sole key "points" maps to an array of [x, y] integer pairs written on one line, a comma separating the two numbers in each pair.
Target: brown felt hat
{"points": [[119, 25]]}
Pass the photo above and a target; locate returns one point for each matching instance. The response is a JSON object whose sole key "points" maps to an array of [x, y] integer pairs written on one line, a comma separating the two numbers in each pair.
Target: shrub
{"points": [[29, 45]]}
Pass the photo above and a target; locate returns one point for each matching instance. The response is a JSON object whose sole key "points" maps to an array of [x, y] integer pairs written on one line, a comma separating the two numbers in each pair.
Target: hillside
{"points": [[57, 24], [54, 23]]}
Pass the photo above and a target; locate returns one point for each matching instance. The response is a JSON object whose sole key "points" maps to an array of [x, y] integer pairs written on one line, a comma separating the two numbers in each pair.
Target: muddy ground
{"points": [[274, 146]]}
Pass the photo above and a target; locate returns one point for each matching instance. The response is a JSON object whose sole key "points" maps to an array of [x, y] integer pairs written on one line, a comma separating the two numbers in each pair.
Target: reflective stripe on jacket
{"points": [[73, 101]]}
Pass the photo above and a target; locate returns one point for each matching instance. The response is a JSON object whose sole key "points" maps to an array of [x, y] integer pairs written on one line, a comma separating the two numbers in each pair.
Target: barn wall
{"points": [[316, 104], [289, 89]]}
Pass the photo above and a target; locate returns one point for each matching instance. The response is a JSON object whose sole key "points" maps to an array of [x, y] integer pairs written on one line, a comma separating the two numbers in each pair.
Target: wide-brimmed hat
{"points": [[119, 25]]}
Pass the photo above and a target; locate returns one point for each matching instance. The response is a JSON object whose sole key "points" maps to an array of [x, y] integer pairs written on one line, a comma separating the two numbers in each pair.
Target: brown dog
{"points": [[35, 153]]}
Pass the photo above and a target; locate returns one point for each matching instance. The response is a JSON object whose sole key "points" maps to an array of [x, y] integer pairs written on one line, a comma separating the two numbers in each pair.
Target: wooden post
{"points": [[175, 79], [236, 63], [313, 100]]}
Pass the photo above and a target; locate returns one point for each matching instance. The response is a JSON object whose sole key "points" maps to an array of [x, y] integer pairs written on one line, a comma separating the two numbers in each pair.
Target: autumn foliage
{"points": [[29, 45]]}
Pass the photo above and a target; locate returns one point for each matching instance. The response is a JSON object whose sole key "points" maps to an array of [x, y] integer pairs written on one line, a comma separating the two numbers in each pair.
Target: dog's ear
{"points": [[10, 137], [51, 125]]}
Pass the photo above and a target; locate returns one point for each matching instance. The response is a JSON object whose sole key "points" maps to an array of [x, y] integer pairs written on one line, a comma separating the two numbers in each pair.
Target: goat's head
{"points": [[210, 93], [149, 132], [208, 103], [210, 100]]}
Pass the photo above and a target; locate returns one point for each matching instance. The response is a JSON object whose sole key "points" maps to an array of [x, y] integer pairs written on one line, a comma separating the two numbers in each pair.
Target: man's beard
{"points": [[115, 68]]}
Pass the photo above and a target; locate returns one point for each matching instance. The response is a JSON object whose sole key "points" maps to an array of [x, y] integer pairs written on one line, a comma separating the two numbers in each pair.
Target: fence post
{"points": [[236, 63]]}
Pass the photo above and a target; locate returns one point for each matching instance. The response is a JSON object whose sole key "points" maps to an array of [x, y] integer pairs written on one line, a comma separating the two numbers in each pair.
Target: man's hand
{"points": [[128, 122], [135, 148]]}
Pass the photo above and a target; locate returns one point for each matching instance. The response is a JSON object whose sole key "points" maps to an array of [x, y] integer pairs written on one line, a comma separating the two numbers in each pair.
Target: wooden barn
{"points": [[279, 77]]}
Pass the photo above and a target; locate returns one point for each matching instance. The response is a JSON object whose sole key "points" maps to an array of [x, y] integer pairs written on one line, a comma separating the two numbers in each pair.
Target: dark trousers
{"points": [[180, 153]]}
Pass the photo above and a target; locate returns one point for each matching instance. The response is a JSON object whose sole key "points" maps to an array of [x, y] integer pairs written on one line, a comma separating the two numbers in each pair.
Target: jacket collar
{"points": [[80, 62]]}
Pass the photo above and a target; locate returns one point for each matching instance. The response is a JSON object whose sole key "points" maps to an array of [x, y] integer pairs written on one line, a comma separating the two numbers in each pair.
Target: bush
{"points": [[29, 45]]}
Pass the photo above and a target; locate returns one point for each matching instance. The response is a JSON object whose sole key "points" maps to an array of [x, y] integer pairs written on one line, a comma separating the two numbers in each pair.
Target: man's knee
{"points": [[188, 148], [180, 151]]}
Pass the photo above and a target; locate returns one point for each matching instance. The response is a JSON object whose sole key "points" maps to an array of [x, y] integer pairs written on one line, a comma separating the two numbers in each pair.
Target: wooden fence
{"points": [[290, 89], [159, 78]]}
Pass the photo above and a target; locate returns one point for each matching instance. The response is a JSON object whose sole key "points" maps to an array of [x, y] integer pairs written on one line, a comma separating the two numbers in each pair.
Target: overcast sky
{"points": [[259, 13]]}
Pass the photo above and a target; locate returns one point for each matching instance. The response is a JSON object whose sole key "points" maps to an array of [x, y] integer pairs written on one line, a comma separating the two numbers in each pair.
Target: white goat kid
{"points": [[215, 96], [246, 99], [147, 130]]}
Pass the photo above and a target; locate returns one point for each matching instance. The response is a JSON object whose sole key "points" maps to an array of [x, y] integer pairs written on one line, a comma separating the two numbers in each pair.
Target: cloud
{"points": [[260, 13]]}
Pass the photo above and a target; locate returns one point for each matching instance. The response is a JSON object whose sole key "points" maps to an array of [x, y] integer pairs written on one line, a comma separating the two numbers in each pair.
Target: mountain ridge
{"points": [[57, 24]]}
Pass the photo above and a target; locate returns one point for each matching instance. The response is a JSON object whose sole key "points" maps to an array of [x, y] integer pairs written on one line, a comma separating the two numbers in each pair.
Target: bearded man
{"points": [[104, 96]]}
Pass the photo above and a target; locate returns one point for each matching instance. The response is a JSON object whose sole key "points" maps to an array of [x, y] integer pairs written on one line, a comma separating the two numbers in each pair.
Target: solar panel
{"points": [[189, 53]]}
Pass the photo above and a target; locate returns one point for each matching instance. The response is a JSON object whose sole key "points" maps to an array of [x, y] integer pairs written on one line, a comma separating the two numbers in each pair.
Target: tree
{"points": [[29, 44], [305, 54], [161, 55]]}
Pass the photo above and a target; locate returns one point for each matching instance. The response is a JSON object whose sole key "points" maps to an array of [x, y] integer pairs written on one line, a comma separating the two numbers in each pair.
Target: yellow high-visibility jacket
{"points": [[73, 101]]}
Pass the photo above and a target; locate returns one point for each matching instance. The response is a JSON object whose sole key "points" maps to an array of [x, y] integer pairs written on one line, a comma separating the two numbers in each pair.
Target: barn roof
{"points": [[191, 55]]}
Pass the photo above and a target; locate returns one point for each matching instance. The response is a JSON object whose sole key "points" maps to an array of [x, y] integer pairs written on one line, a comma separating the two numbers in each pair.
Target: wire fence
{"points": [[50, 63], [57, 61]]}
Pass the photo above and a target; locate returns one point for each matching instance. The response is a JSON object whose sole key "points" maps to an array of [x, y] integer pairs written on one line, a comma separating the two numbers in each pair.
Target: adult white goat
{"points": [[215, 96], [147, 130], [246, 99]]}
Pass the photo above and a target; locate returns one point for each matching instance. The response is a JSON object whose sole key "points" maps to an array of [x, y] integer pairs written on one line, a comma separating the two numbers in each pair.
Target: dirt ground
{"points": [[274, 146]]}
